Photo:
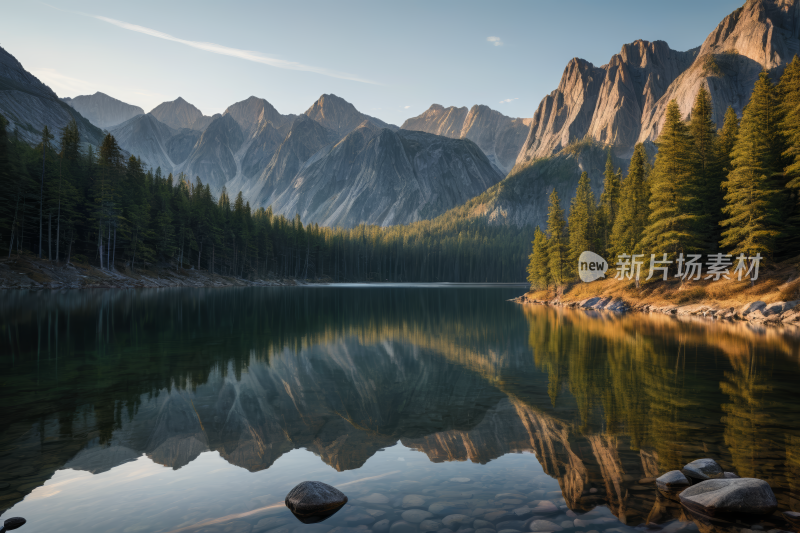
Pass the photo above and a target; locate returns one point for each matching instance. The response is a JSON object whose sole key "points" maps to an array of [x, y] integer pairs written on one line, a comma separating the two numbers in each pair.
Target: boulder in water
{"points": [[721, 497], [673, 481], [703, 469], [314, 501], [13, 523]]}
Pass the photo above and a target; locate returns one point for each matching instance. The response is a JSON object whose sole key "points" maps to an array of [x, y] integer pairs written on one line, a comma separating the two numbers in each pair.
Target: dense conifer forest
{"points": [[730, 191], [66, 202]]}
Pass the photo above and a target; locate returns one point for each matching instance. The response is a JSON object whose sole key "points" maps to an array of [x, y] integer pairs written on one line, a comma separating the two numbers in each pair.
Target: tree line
{"points": [[68, 202], [732, 190]]}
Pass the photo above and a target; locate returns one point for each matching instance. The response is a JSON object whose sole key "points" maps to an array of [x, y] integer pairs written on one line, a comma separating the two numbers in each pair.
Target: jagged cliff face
{"points": [[102, 110], [29, 105], [500, 137], [213, 156], [384, 177], [181, 114], [605, 103], [150, 140], [624, 102], [761, 34]]}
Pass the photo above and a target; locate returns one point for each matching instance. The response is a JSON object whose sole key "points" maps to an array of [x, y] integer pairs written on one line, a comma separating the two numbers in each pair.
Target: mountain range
{"points": [[335, 165]]}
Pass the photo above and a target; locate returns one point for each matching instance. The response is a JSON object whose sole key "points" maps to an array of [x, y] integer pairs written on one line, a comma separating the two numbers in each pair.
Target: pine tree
{"points": [[675, 206], [634, 206], [609, 204], [582, 220], [789, 92], [558, 242], [751, 206], [538, 264], [703, 132]]}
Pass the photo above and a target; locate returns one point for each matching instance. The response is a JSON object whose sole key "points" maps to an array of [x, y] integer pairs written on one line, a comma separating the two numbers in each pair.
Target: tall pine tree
{"points": [[789, 92], [538, 265], [582, 220], [558, 243], [634, 206], [751, 210], [706, 171], [609, 204], [675, 196]]}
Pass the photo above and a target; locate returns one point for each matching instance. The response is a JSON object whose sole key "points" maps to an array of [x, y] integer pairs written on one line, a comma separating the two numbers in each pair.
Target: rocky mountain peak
{"points": [[103, 110], [253, 113], [339, 115], [181, 114]]}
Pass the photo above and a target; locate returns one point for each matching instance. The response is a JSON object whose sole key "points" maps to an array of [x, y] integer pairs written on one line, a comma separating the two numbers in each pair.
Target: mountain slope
{"points": [[102, 110], [212, 157], [30, 105], [385, 177], [146, 137], [181, 114], [500, 137]]}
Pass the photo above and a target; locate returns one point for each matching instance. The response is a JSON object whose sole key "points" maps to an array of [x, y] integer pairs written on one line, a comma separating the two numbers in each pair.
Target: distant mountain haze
{"points": [[102, 110], [181, 114]]}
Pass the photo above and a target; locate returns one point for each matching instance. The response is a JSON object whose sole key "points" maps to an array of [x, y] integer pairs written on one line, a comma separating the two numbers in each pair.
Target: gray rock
{"points": [[485, 530], [482, 524], [511, 524], [717, 497], [545, 507], [381, 526], [376, 498], [460, 480], [522, 512], [703, 469], [456, 520], [402, 527], [752, 307], [545, 526], [672, 481], [314, 501], [415, 516], [413, 500], [792, 517], [430, 525], [730, 475], [447, 508]]}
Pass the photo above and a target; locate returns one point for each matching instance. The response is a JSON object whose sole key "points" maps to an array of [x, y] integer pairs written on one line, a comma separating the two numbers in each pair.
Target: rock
{"points": [[485, 530], [375, 498], [413, 500], [402, 527], [730, 475], [792, 517], [447, 508], [545, 526], [511, 524], [717, 497], [672, 481], [703, 469], [380, 527], [430, 525], [479, 524], [545, 507], [359, 518], [751, 307], [14, 523], [415, 516], [567, 524], [456, 520], [498, 516], [507, 531], [314, 501], [460, 479], [522, 512]]}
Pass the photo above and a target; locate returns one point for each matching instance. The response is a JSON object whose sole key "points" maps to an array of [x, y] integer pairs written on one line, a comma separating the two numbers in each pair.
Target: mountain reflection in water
{"points": [[93, 380]]}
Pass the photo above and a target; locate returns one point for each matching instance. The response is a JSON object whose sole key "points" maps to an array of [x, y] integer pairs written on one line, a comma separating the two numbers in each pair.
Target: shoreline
{"points": [[779, 313]]}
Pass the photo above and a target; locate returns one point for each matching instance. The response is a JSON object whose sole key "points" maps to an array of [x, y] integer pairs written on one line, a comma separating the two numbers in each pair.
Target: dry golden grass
{"points": [[779, 283]]}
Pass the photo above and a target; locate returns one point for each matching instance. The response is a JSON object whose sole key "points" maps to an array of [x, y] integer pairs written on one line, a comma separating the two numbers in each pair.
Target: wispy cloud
{"points": [[62, 83], [508, 100], [495, 41], [247, 55]]}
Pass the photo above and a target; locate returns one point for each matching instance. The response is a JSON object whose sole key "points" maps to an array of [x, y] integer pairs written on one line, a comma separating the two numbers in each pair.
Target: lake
{"points": [[430, 407]]}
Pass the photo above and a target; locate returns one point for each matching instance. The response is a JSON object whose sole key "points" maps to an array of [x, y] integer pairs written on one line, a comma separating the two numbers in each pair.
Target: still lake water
{"points": [[430, 407]]}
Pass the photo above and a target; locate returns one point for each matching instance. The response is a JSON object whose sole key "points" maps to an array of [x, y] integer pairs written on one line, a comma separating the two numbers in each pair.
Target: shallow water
{"points": [[436, 407]]}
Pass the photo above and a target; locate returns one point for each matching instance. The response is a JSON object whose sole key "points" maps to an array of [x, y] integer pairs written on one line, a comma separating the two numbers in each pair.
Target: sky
{"points": [[392, 60]]}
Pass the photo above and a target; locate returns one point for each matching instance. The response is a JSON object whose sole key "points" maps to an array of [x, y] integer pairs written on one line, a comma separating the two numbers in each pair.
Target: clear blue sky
{"points": [[392, 60]]}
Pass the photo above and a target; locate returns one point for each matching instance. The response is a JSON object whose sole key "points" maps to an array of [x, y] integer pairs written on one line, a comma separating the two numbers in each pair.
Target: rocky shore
{"points": [[757, 312], [36, 274]]}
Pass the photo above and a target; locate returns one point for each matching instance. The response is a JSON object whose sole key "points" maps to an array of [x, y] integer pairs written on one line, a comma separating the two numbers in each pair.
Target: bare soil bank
{"points": [[28, 272], [774, 299]]}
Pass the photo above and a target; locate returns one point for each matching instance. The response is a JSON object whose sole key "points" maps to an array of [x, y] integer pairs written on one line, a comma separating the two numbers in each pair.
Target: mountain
{"points": [[761, 34], [29, 105], [604, 103], [102, 110], [212, 156], [180, 114], [500, 137], [385, 177], [623, 102], [147, 138], [340, 116]]}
